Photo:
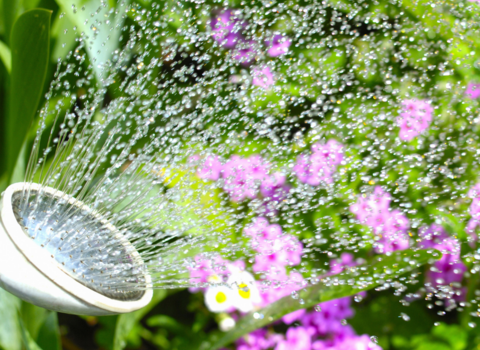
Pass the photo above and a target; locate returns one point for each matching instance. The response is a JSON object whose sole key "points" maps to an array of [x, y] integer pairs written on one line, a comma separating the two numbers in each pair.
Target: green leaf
{"points": [[33, 317], [10, 333], [49, 335], [455, 335], [100, 24], [28, 341], [6, 56], [126, 322], [30, 53], [351, 282]]}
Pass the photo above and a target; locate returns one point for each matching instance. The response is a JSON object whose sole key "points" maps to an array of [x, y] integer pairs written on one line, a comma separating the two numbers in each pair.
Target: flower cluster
{"points": [[389, 226], [246, 178], [474, 222], [320, 166], [415, 117], [227, 30], [449, 270], [229, 288]]}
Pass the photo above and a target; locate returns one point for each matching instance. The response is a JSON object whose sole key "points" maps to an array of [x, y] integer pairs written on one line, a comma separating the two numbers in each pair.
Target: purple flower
{"points": [[282, 251], [245, 52], [259, 339], [296, 338], [474, 210], [210, 169], [450, 268], [278, 284], [373, 209], [473, 89], [263, 77], [352, 342], [320, 165], [278, 46], [415, 117], [243, 176], [261, 230], [390, 226], [276, 249], [274, 190], [328, 319], [226, 28]]}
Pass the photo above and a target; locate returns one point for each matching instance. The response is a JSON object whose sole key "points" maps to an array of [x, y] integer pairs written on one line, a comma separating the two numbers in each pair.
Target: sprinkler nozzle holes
{"points": [[57, 253]]}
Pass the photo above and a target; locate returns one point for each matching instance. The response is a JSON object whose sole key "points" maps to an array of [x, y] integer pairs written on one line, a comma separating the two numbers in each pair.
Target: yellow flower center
{"points": [[221, 297], [244, 291]]}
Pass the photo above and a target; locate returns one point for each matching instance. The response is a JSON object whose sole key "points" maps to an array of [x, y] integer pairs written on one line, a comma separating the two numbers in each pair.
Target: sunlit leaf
{"points": [[5, 56]]}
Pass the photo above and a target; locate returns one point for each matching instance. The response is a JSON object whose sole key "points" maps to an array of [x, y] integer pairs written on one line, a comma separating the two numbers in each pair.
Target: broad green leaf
{"points": [[28, 341], [33, 317], [49, 334], [354, 280], [10, 333], [101, 25], [126, 322], [30, 53], [10, 11], [6, 56]]}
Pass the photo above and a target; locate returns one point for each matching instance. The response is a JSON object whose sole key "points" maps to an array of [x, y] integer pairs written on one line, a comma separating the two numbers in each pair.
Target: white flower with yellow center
{"points": [[245, 289], [218, 297]]}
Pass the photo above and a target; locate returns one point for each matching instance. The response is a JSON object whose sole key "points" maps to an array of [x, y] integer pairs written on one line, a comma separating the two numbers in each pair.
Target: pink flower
{"points": [[328, 319], [332, 151], [278, 285], [296, 338], [473, 89], [415, 117], [274, 187], [259, 339], [263, 77], [321, 165], [352, 342], [278, 46], [373, 210], [449, 268], [243, 176], [282, 251], [226, 28], [391, 226]]}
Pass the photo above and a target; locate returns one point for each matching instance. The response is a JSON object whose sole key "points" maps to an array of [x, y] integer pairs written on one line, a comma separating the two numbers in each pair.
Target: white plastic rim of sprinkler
{"points": [[29, 272]]}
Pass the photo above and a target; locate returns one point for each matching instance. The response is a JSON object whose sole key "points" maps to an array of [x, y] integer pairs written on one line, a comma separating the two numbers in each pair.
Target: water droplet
{"points": [[374, 339]]}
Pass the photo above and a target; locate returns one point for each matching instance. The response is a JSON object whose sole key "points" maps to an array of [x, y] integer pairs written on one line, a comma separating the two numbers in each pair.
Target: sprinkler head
{"points": [[34, 268]]}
